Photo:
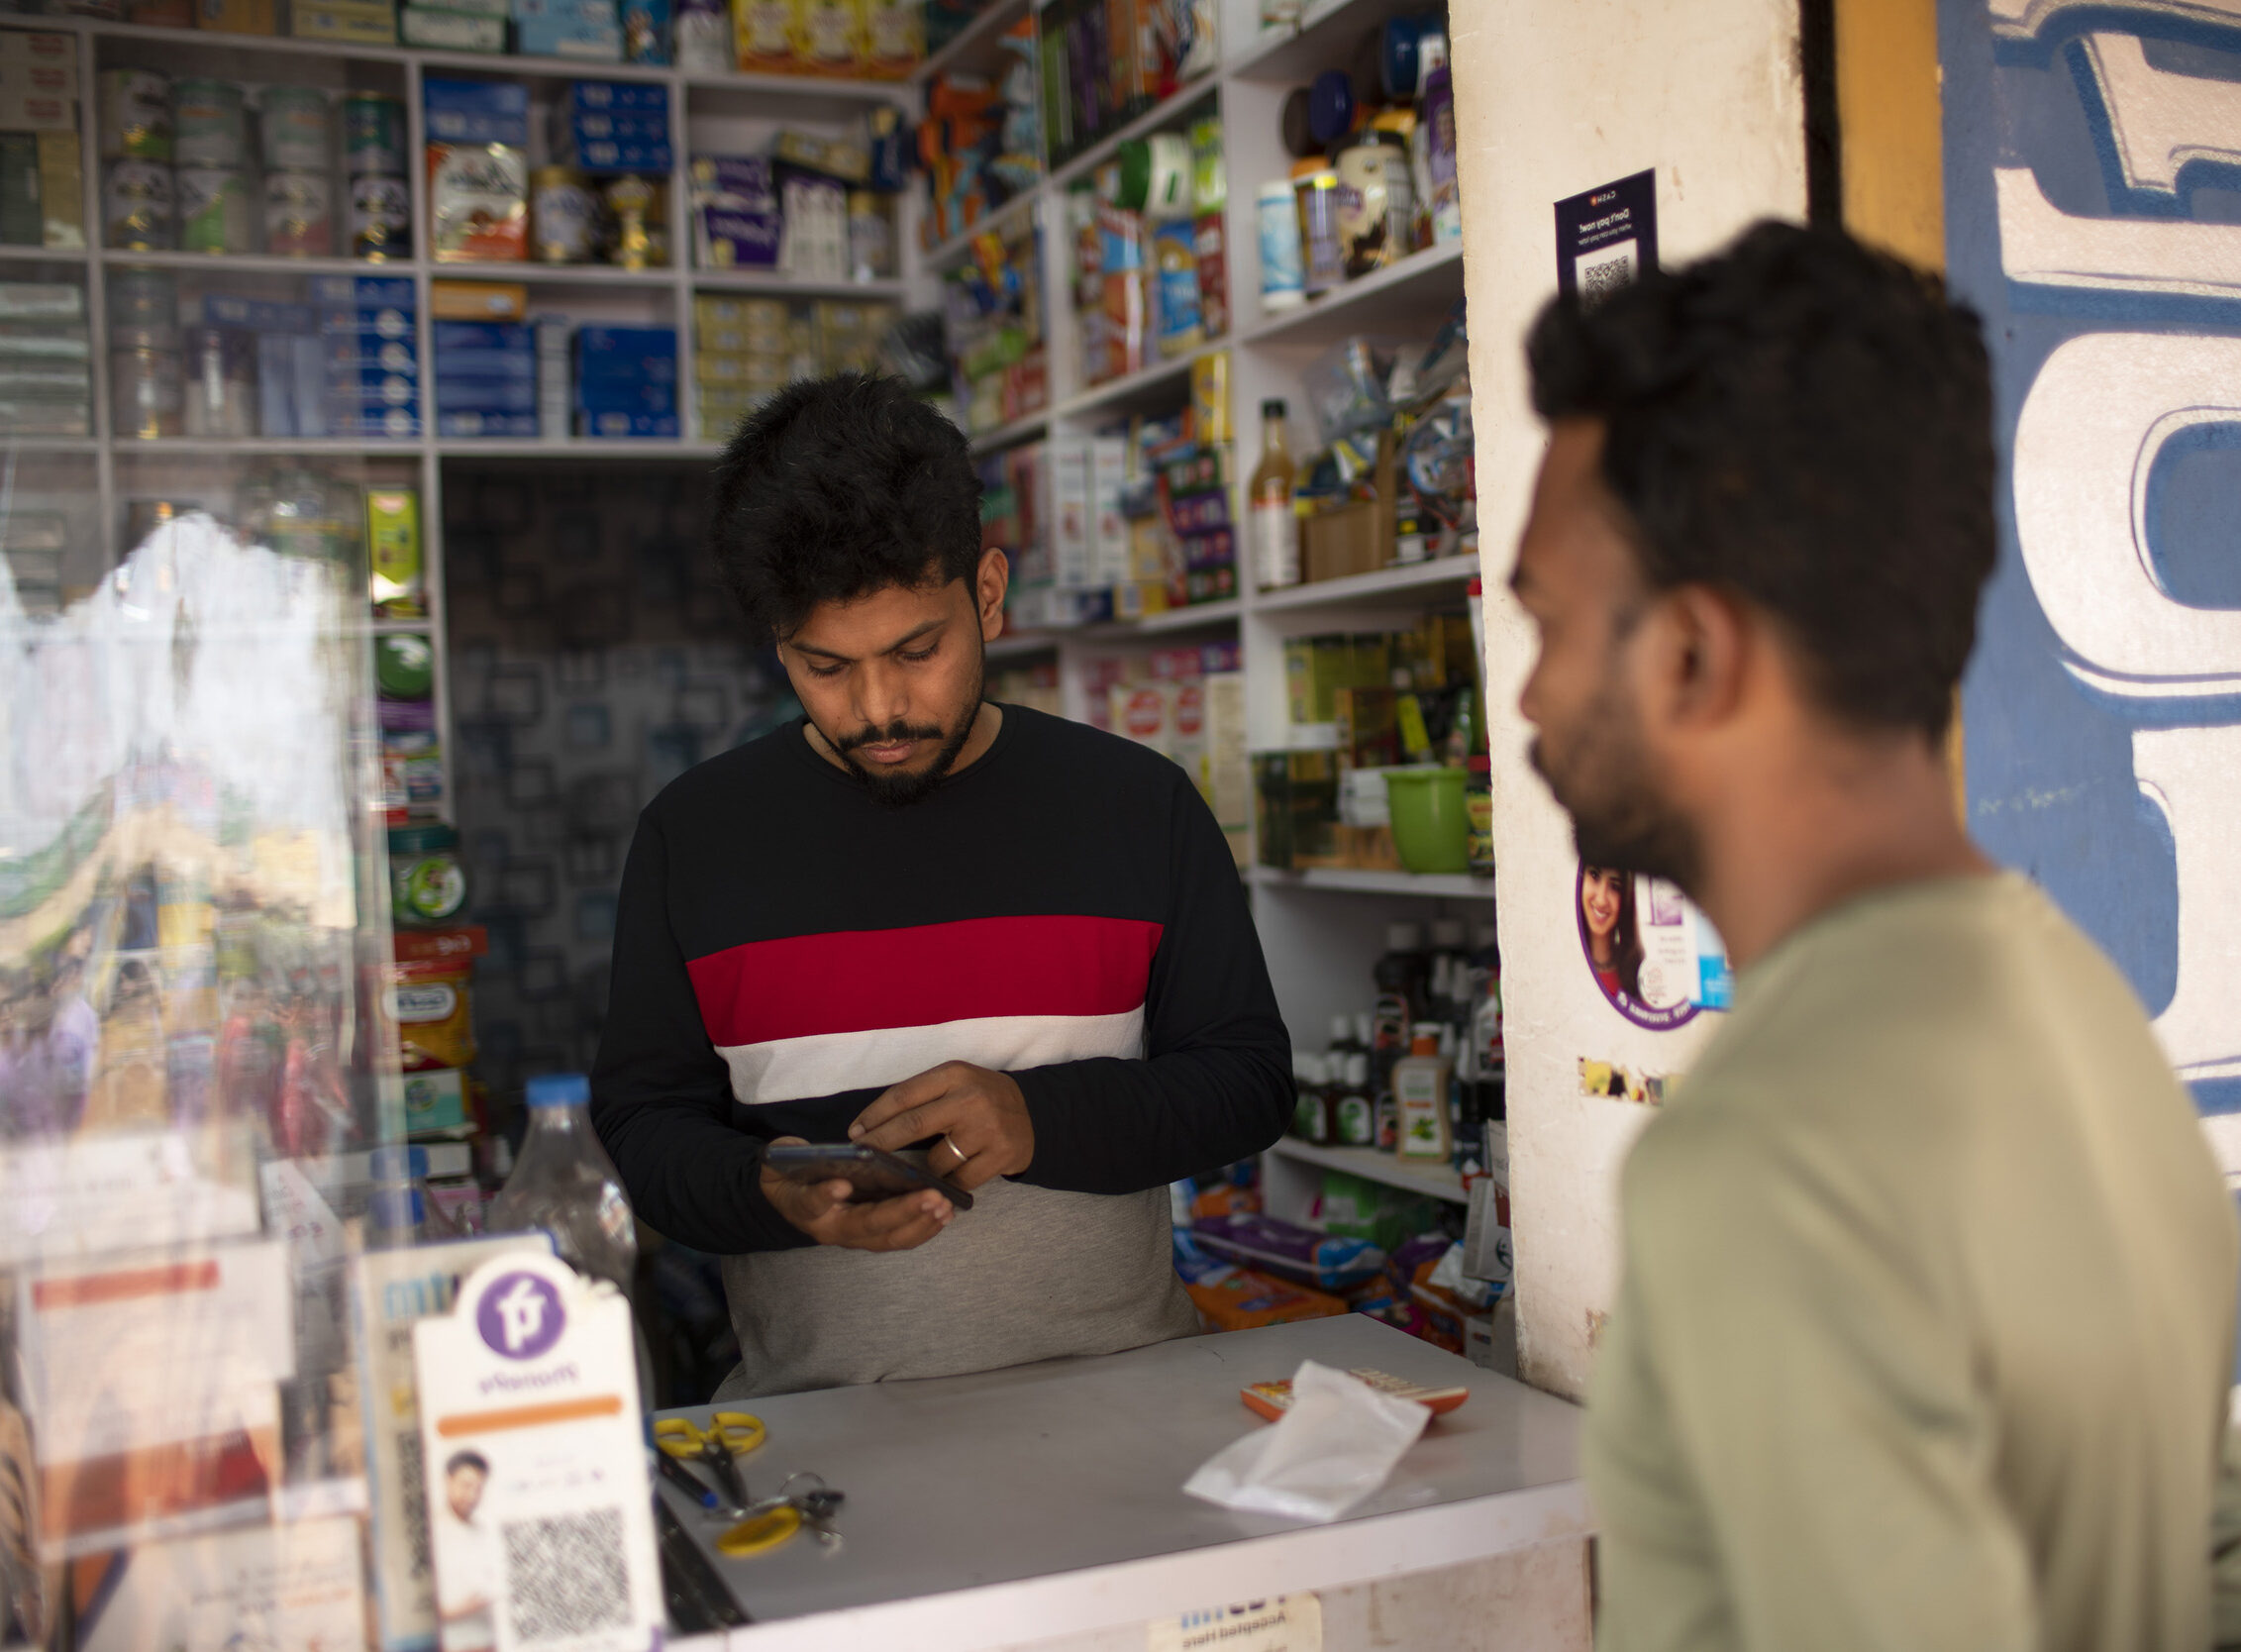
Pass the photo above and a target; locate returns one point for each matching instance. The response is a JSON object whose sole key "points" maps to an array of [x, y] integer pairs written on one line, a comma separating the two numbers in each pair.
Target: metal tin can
{"points": [[295, 126], [299, 214], [374, 135], [380, 219], [563, 215], [214, 210], [136, 115], [209, 124], [145, 392], [1374, 205], [138, 206]]}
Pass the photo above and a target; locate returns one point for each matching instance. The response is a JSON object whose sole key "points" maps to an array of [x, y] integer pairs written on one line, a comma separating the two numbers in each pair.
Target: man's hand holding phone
{"points": [[822, 1210], [979, 1115]]}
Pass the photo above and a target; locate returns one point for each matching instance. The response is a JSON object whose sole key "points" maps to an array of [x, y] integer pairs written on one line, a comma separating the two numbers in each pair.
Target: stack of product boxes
{"points": [[626, 381], [589, 31], [736, 223], [367, 325], [45, 383], [1187, 704], [42, 197], [456, 24], [478, 169], [485, 378], [614, 126], [742, 358]]}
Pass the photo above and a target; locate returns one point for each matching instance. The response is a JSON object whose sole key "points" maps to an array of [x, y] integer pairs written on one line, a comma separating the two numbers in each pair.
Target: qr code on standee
{"points": [[564, 1575], [414, 1502], [1604, 271]]}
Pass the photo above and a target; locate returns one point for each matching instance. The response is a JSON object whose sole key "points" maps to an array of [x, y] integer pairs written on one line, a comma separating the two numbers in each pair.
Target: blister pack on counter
{"points": [[1290, 1251]]}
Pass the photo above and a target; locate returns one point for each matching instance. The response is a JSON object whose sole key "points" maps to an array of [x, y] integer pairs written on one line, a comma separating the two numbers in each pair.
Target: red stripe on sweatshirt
{"points": [[859, 980]]}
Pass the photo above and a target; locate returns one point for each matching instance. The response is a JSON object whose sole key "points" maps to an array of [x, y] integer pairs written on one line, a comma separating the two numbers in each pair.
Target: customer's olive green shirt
{"points": [[1925, 1330]]}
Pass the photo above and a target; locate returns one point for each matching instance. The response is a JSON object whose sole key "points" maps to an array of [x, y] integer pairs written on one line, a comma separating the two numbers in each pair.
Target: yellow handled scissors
{"points": [[726, 1437]]}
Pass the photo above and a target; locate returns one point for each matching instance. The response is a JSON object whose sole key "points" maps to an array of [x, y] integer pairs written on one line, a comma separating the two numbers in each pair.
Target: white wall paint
{"points": [[1553, 97]]}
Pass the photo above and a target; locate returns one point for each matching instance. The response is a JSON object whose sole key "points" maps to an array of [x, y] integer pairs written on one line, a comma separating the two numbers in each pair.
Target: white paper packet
{"points": [[1333, 1448]]}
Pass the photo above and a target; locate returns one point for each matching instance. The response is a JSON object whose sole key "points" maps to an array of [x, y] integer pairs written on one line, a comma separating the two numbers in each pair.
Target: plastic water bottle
{"points": [[399, 1213], [564, 1182]]}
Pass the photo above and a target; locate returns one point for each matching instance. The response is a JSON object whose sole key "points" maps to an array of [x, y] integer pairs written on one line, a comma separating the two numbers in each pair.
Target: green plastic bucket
{"points": [[1431, 826]]}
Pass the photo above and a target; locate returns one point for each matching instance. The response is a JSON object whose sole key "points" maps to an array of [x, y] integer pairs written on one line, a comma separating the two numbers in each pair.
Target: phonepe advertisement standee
{"points": [[540, 1517], [2094, 216]]}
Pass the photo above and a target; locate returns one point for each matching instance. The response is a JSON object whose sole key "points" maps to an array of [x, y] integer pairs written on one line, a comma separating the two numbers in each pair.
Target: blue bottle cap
{"points": [[559, 1090]]}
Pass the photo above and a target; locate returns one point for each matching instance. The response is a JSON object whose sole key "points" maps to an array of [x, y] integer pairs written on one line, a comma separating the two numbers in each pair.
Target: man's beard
{"points": [[896, 791], [1609, 787]]}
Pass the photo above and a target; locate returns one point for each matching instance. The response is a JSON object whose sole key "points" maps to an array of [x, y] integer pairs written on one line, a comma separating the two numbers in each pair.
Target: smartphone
{"points": [[873, 1172]]}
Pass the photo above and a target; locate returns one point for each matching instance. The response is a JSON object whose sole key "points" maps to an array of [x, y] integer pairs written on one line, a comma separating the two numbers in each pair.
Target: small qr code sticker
{"points": [[564, 1576], [1604, 270]]}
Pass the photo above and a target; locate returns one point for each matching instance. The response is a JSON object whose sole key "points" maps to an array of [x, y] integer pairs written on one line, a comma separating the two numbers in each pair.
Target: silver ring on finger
{"points": [[956, 1152]]}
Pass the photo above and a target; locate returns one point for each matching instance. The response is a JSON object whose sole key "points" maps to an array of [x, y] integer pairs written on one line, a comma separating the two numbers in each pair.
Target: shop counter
{"points": [[1044, 1501]]}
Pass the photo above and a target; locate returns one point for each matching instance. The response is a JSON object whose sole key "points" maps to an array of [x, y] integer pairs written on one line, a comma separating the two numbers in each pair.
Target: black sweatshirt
{"points": [[1065, 909]]}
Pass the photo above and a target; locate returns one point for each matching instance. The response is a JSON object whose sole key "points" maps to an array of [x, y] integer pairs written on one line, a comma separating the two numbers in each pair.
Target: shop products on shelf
{"points": [[980, 142], [748, 348], [485, 378], [1035, 686], [343, 22], [397, 567], [1106, 62], [478, 169], [588, 30], [881, 39], [992, 304], [41, 165], [1187, 704], [45, 359], [462, 26], [1141, 290], [380, 214], [626, 381]]}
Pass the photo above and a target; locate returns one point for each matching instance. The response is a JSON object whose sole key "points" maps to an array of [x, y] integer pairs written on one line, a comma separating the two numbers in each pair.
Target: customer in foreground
{"points": [[1925, 1326]]}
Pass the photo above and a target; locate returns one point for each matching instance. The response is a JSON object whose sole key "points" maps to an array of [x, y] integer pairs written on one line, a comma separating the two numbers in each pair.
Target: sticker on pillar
{"points": [[1607, 237], [1641, 937], [1289, 1623]]}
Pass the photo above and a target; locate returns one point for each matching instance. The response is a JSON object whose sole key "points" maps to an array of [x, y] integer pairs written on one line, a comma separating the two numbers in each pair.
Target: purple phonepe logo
{"points": [[520, 1317]]}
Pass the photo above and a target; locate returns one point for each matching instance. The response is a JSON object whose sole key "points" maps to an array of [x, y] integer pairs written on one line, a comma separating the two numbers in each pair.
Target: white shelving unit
{"points": [[731, 114], [1320, 929]]}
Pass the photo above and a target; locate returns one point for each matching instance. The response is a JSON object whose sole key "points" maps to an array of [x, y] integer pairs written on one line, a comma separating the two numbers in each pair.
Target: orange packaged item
{"points": [[1239, 1300], [1273, 1399], [426, 1004]]}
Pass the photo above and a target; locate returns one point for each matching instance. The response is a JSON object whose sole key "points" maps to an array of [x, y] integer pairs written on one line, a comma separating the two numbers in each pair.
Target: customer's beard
{"points": [[896, 791], [1607, 783]]}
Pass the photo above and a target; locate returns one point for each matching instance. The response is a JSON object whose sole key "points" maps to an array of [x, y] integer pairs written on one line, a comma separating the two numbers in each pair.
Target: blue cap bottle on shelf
{"points": [[559, 1090]]}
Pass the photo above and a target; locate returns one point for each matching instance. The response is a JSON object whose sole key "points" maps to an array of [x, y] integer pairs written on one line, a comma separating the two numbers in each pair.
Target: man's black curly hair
{"points": [[1806, 423], [837, 487]]}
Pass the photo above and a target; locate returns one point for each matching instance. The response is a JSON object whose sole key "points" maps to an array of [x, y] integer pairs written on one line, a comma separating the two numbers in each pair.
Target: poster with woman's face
{"points": [[1636, 935]]}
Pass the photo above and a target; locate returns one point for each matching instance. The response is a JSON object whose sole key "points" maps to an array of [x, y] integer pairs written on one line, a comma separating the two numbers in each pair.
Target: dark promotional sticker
{"points": [[1607, 237]]}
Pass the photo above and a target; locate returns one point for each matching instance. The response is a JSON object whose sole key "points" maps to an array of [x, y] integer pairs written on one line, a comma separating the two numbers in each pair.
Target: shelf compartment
{"points": [[1175, 104], [1385, 585], [1421, 885], [945, 252], [1399, 298], [1433, 1181]]}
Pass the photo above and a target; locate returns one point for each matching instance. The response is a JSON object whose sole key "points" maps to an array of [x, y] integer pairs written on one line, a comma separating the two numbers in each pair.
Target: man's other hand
{"points": [[822, 1210], [980, 1114]]}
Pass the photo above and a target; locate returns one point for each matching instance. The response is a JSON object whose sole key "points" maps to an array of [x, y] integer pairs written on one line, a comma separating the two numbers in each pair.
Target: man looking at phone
{"points": [[916, 918], [1925, 1322]]}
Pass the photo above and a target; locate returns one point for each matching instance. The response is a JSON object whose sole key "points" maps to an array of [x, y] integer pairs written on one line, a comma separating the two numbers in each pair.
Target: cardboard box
{"points": [[348, 22], [476, 111], [37, 112], [238, 16], [61, 200], [630, 423], [443, 31], [480, 423], [43, 64], [477, 300], [363, 292], [19, 189]]}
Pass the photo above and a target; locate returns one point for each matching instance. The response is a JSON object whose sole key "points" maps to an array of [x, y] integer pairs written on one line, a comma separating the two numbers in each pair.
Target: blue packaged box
{"points": [[627, 352], [619, 96], [398, 424], [460, 365], [363, 292], [481, 334], [389, 324], [369, 350], [588, 30], [474, 423], [486, 395], [635, 400], [475, 112], [367, 385], [631, 125], [603, 157], [629, 424]]}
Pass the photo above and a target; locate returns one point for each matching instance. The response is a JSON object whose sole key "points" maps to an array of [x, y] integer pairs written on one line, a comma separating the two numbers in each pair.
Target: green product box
{"points": [[431, 1104], [1354, 1208], [392, 540]]}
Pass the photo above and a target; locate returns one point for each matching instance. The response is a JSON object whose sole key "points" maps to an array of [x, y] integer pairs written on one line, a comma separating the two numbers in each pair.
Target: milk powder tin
{"points": [[563, 215], [138, 206], [380, 219], [295, 128], [299, 214], [214, 210], [136, 113], [209, 125], [374, 135]]}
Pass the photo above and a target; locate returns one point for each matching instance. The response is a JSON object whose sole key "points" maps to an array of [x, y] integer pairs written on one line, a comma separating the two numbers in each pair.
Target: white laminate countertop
{"points": [[1045, 1500]]}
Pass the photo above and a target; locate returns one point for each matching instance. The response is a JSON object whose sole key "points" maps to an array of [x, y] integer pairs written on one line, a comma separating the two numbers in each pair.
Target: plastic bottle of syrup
{"points": [[1354, 1105], [1311, 1117], [1422, 1080], [1275, 530], [1403, 971]]}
